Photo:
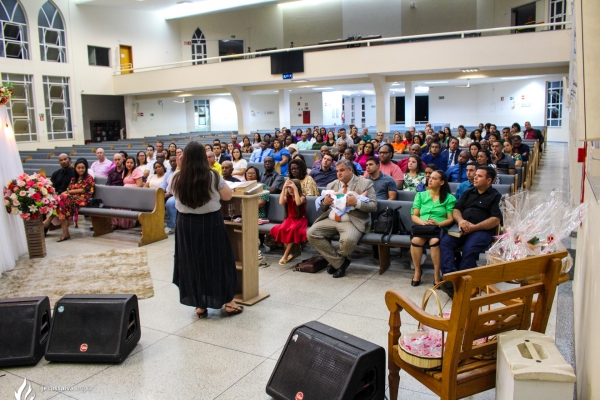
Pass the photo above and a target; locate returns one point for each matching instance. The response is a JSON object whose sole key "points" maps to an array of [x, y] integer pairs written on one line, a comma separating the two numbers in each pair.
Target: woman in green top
{"points": [[319, 142], [431, 207]]}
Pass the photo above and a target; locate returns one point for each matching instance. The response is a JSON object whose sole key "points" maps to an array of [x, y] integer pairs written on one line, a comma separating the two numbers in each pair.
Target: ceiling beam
{"points": [[311, 84], [492, 73]]}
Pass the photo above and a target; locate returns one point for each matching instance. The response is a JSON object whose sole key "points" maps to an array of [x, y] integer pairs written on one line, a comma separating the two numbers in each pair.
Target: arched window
{"points": [[13, 38], [198, 47], [53, 44]]}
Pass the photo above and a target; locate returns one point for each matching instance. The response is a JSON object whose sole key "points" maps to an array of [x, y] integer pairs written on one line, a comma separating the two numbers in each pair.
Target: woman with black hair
{"points": [[204, 267], [474, 148], [256, 141], [80, 190], [484, 157], [414, 175], [432, 207], [298, 171]]}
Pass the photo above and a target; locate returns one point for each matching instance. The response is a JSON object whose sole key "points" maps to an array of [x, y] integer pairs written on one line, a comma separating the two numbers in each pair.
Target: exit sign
{"points": [[288, 76]]}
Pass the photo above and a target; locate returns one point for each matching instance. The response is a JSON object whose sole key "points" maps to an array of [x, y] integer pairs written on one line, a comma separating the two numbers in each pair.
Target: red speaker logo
{"points": [[83, 348], [299, 396]]}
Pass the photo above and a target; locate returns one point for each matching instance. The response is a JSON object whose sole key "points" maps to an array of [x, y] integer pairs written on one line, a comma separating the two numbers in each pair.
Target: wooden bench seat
{"points": [[147, 206]]}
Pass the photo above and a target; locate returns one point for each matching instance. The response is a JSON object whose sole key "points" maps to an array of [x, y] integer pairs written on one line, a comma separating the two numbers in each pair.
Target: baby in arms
{"points": [[339, 200]]}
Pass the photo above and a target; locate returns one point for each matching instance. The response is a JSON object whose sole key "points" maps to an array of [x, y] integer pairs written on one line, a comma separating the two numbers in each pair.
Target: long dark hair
{"points": [[419, 164], [299, 187], [145, 158], [487, 154], [85, 174], [445, 188], [301, 168], [192, 185], [476, 144], [125, 165], [254, 138]]}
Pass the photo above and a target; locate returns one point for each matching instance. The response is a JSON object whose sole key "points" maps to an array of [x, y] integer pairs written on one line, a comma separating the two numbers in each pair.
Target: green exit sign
{"points": [[233, 36]]}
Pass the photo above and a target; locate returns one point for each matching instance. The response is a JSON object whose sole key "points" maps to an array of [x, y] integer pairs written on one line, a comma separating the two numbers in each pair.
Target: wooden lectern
{"points": [[244, 243]]}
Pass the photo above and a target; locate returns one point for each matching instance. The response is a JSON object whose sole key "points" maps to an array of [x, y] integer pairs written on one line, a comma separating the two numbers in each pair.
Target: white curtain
{"points": [[13, 243]]}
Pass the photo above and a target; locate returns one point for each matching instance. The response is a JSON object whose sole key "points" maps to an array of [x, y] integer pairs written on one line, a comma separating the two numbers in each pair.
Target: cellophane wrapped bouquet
{"points": [[535, 224]]}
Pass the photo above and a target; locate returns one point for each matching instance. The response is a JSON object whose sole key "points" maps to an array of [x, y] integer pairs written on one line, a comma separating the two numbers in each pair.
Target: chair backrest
{"points": [[100, 180], [506, 179], [405, 195], [503, 189], [453, 186], [497, 311], [311, 210], [276, 213], [132, 198]]}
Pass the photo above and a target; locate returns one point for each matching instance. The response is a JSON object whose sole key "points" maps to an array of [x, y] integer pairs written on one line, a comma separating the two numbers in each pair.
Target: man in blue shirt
{"points": [[384, 185], [468, 184], [259, 155], [435, 156], [458, 172], [324, 175]]}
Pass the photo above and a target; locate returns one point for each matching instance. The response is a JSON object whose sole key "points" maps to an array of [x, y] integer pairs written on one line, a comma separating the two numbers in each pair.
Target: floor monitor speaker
{"points": [[94, 328], [24, 329], [320, 362]]}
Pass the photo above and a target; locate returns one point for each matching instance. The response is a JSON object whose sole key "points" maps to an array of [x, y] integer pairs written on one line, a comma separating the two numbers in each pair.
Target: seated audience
{"points": [[132, 177], [397, 144], [458, 172], [61, 179], [473, 151], [435, 156], [298, 171], [381, 139], [414, 175], [350, 226], [384, 185], [415, 150], [234, 141], [452, 152], [409, 138], [484, 158], [323, 150], [387, 166], [220, 153], [463, 140], [508, 150], [301, 157], [142, 163], [212, 163], [341, 148], [532, 134], [349, 155], [247, 147], [365, 135], [484, 144], [281, 156], [293, 150], [259, 154], [330, 139], [100, 168], [520, 148], [172, 149], [318, 143], [271, 178], [431, 207], [476, 135], [477, 214], [78, 193], [504, 163], [480, 129], [468, 184], [156, 179], [368, 152], [428, 171], [304, 143], [293, 228], [239, 164], [376, 144], [326, 173], [256, 141], [252, 174], [227, 168], [343, 137]]}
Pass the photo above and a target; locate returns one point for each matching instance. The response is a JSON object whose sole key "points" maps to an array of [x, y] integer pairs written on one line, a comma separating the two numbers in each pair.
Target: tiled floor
{"points": [[225, 357]]}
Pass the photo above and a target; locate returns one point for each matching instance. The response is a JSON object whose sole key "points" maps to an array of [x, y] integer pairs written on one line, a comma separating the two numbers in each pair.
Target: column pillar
{"points": [[284, 108], [242, 105], [382, 101], [409, 104]]}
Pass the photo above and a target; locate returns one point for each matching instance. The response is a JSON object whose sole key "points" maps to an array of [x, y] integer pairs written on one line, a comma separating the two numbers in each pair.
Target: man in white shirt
{"points": [[304, 144], [101, 167], [150, 159]]}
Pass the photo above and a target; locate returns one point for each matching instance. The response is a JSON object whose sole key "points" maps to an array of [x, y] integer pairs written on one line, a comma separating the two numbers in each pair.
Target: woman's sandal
{"points": [[236, 310], [62, 239], [285, 260], [203, 314]]}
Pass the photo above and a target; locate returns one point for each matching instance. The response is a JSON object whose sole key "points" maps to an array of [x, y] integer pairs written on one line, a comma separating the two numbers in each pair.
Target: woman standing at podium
{"points": [[204, 265]]}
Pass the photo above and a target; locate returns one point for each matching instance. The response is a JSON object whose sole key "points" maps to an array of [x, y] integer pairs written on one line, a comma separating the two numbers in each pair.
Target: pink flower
{"points": [[40, 185], [26, 216], [15, 203], [29, 184], [45, 201], [22, 193], [36, 197], [44, 210], [20, 183]]}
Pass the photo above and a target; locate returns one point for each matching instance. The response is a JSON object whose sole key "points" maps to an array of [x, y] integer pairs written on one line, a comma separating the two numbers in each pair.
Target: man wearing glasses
{"points": [[213, 163], [386, 166]]}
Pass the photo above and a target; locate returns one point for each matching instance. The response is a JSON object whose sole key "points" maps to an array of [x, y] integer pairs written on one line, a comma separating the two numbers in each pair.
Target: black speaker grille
{"points": [[93, 322], [17, 321], [314, 364]]}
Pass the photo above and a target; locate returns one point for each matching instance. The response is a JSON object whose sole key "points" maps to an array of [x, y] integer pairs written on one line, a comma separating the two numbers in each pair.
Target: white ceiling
{"points": [[171, 9]]}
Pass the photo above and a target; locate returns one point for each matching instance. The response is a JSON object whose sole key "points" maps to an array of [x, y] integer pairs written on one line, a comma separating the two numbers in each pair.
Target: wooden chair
{"points": [[463, 373]]}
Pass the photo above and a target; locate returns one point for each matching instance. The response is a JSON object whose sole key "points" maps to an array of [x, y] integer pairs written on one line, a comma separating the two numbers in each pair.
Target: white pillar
{"points": [[382, 101], [242, 104], [284, 108], [409, 104]]}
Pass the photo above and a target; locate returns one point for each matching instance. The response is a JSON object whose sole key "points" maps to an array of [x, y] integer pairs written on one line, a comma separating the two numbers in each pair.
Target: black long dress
{"points": [[204, 264]]}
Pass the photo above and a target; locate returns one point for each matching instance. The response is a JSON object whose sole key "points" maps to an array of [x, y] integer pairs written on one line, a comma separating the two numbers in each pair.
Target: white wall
{"points": [[170, 117], [332, 108], [482, 103], [434, 16], [358, 17], [261, 107], [315, 106], [306, 23]]}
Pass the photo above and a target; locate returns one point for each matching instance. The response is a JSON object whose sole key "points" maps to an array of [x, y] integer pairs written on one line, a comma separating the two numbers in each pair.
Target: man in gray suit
{"points": [[350, 226]]}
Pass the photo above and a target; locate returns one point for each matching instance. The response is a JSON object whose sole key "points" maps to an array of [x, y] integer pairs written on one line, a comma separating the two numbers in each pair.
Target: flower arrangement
{"points": [[31, 196], [6, 92]]}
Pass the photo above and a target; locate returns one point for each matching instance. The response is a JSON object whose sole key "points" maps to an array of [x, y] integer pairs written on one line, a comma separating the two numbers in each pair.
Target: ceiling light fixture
{"points": [[186, 8], [470, 70], [322, 88], [300, 80], [514, 78], [434, 82], [176, 91]]}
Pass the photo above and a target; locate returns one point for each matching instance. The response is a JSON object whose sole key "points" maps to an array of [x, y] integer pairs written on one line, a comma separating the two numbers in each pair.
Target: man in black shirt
{"points": [[477, 214], [273, 179], [116, 174], [227, 168], [62, 178]]}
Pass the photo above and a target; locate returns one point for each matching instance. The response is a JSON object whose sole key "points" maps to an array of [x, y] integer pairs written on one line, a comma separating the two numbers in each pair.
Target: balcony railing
{"points": [[343, 43]]}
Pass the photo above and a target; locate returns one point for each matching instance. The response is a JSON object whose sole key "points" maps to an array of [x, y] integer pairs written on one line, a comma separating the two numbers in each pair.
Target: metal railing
{"points": [[368, 42]]}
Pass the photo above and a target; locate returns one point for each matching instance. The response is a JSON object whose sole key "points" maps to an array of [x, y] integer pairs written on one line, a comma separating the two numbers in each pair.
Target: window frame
{"points": [[61, 47], [49, 82], [26, 80], [95, 57], [23, 43]]}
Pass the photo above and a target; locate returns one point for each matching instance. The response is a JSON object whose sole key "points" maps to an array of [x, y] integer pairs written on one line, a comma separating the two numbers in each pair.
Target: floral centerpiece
{"points": [[6, 92], [30, 196]]}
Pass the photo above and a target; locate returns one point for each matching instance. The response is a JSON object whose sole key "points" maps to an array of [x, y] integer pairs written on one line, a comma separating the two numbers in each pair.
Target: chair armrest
{"points": [[396, 301]]}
